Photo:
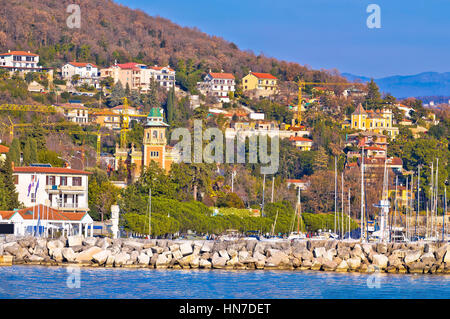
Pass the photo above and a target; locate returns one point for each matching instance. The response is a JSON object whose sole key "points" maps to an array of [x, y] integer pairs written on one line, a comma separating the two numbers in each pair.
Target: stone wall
{"points": [[428, 258]]}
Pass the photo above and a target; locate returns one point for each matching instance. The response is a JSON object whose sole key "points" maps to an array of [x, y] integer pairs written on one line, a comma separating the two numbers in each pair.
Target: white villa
{"points": [[63, 189]]}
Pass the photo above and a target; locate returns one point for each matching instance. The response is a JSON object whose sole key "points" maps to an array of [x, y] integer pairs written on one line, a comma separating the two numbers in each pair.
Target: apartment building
{"points": [[220, 85], [20, 61], [64, 189], [88, 72], [261, 84]]}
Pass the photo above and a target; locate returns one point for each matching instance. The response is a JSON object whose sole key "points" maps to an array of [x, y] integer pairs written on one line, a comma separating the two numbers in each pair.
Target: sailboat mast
{"points": [[362, 194], [335, 193], [437, 191], [349, 214], [342, 205]]}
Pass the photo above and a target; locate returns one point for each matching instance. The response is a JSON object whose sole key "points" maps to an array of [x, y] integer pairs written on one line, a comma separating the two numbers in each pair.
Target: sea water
{"points": [[61, 282]]}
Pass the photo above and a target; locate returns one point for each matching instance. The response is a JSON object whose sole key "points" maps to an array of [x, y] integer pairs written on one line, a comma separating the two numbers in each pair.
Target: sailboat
{"points": [[297, 235]]}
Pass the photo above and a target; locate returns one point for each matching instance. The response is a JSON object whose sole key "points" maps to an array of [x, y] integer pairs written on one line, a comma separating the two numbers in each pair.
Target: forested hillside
{"points": [[110, 31]]}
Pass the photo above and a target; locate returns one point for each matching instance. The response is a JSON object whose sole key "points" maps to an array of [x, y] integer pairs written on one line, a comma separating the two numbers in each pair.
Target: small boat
{"points": [[296, 236]]}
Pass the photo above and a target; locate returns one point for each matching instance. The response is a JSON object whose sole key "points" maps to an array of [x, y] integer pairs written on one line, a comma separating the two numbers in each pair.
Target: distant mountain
{"points": [[423, 84]]}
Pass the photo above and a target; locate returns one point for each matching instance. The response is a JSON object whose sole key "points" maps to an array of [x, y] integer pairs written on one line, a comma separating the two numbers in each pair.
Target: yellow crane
{"points": [[301, 84]]}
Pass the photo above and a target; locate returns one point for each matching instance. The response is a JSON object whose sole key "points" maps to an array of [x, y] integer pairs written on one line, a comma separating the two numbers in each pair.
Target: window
{"points": [[76, 181], [155, 134], [16, 179], [33, 197], [51, 180], [63, 181]]}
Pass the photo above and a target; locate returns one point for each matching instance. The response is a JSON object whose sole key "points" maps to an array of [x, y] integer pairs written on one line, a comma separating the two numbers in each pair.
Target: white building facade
{"points": [[88, 72], [64, 189], [20, 61], [219, 85]]}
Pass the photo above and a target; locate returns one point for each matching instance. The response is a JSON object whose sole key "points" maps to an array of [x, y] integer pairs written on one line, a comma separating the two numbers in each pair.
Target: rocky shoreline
{"points": [[419, 258]]}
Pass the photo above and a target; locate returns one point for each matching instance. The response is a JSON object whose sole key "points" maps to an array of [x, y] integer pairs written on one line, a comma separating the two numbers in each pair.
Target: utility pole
{"points": [[150, 213], [264, 188], [273, 182]]}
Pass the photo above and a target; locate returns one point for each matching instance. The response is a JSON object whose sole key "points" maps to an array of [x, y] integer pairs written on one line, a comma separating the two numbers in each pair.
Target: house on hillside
{"points": [[20, 61], [220, 85], [378, 121], [138, 76], [260, 84], [87, 72]]}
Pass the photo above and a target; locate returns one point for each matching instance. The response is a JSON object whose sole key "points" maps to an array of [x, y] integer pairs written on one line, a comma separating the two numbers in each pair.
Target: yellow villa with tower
{"points": [[154, 148], [378, 121]]}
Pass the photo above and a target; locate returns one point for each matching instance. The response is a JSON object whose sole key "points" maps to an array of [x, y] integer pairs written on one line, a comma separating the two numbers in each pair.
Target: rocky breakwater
{"points": [[426, 258]]}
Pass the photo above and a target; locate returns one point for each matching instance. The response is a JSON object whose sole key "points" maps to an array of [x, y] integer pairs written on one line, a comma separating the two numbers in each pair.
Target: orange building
{"points": [[154, 148]]}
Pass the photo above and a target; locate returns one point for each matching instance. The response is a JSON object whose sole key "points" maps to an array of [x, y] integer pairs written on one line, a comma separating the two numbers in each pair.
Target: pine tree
{"points": [[6, 172], [127, 90], [15, 152], [117, 94], [373, 98], [27, 152], [34, 151], [170, 106]]}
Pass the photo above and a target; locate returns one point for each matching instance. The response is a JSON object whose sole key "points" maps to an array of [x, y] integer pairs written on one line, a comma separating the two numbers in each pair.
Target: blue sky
{"points": [[414, 36]]}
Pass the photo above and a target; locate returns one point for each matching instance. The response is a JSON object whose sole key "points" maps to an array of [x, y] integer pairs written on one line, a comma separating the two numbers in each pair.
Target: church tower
{"points": [[155, 142]]}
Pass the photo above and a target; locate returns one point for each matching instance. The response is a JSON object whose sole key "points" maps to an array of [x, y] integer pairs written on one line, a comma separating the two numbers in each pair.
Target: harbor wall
{"points": [[320, 255]]}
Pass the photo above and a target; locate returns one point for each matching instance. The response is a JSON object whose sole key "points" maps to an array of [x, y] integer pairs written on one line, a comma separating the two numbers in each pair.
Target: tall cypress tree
{"points": [[34, 151], [170, 106], [15, 152], [9, 187], [27, 152]]}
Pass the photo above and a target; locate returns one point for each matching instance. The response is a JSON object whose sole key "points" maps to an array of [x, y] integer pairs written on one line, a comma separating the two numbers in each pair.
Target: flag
{"points": [[38, 222], [36, 189], [31, 185]]}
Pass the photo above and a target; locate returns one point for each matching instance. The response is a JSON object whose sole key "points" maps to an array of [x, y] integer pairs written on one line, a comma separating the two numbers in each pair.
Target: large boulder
{"points": [[35, 259], [277, 258], [186, 249], [11, 248], [412, 256], [367, 248], [382, 248], [329, 265], [319, 252], [157, 249], [343, 252], [224, 254], [143, 259], [303, 254], [110, 261], [54, 244], [394, 261], [121, 259], [133, 245], [218, 262], [27, 242], [343, 266], [89, 241], [416, 267], [381, 261], [69, 255], [428, 258], [354, 263], [74, 241], [203, 263], [162, 261], [86, 255], [56, 254], [101, 257], [207, 247]]}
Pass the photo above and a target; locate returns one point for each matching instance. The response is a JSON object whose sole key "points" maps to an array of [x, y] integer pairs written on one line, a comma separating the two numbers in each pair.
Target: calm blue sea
{"points": [[45, 282]]}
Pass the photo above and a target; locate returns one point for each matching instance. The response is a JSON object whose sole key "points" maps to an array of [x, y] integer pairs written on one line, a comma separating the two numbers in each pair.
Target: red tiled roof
{"points": [[299, 139], [297, 128], [264, 76], [4, 149], [6, 215], [45, 212], [82, 64], [130, 65], [50, 170], [374, 148], [296, 181], [19, 53], [222, 75], [158, 68]]}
